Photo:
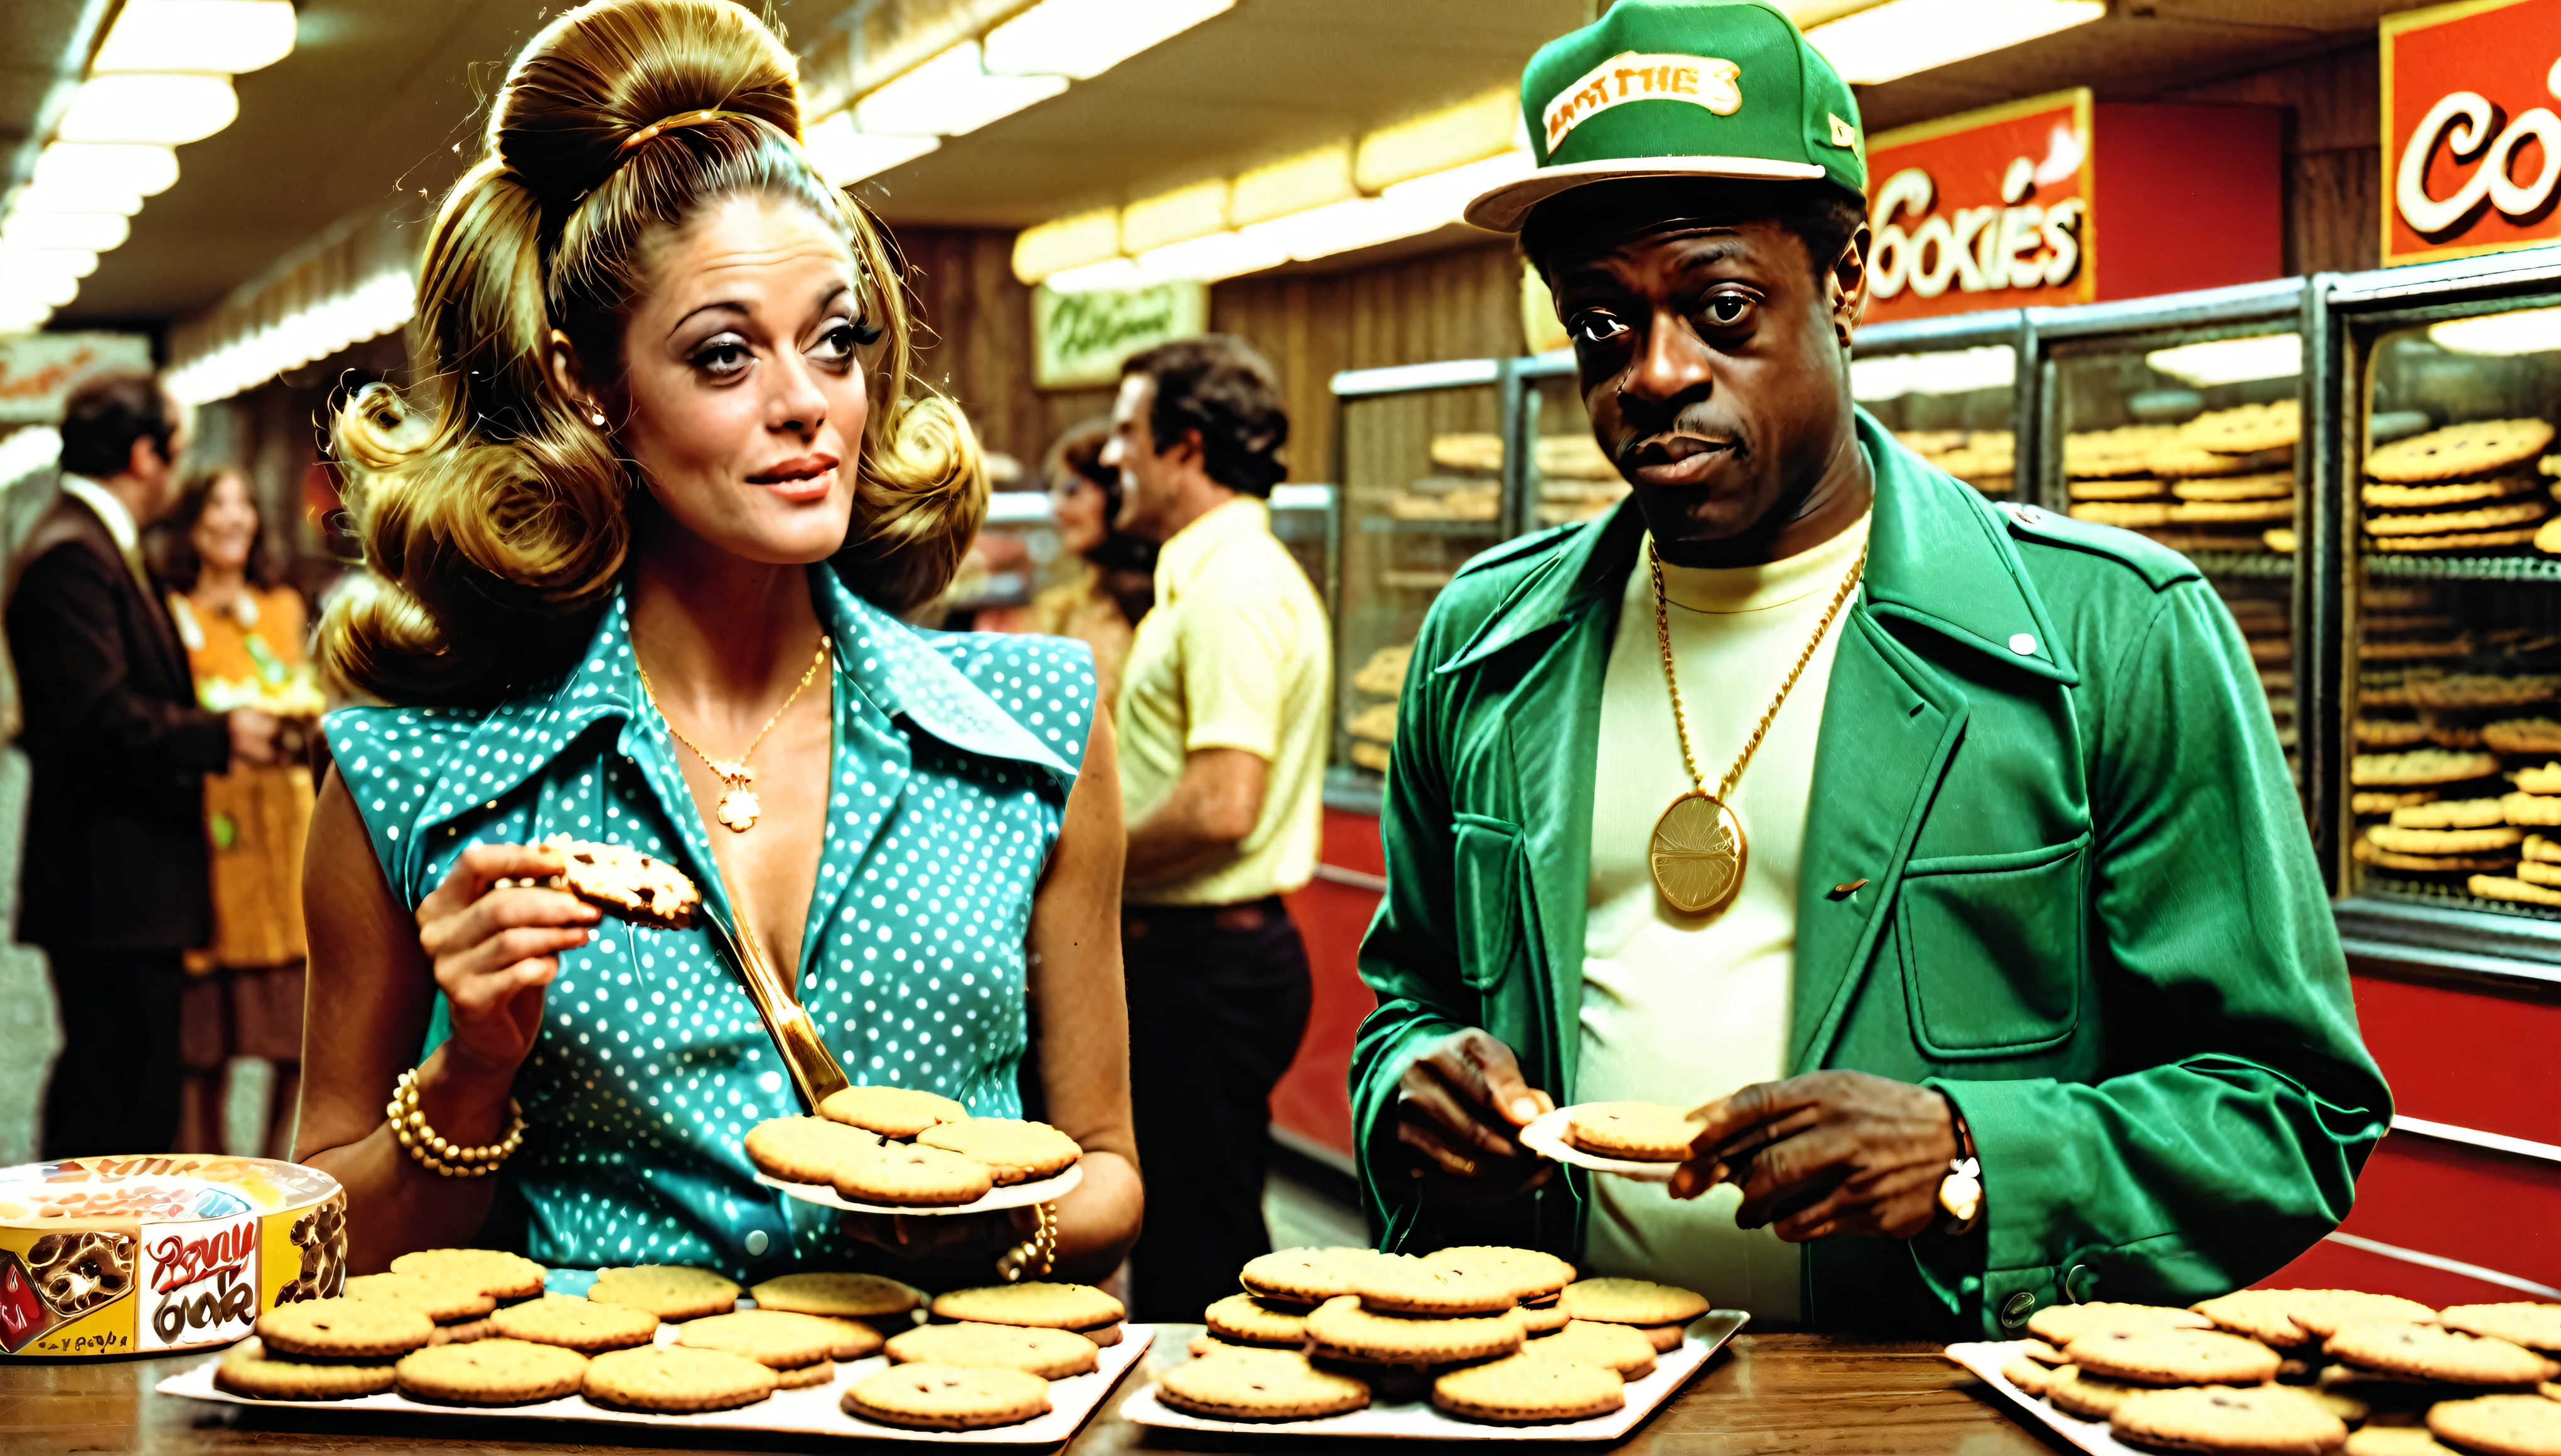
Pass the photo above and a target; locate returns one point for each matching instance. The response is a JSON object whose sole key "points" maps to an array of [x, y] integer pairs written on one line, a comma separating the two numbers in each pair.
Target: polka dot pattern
{"points": [[954, 757]]}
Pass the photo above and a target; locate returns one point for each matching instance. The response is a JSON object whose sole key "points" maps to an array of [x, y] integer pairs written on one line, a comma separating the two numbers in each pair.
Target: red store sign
{"points": [[2471, 148]]}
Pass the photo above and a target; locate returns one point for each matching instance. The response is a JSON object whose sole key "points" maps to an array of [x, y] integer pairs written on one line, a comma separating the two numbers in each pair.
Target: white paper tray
{"points": [[1420, 1420], [1985, 1359], [1015, 1196], [1546, 1136], [812, 1411]]}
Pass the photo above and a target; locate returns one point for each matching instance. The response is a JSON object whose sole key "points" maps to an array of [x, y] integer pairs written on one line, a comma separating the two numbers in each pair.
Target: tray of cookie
{"points": [[895, 1150], [1463, 1344], [2221, 482], [476, 1332], [2299, 1370]]}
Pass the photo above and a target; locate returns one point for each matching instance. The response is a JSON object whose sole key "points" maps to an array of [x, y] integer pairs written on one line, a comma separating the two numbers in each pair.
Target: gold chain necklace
{"points": [[738, 802], [1699, 850]]}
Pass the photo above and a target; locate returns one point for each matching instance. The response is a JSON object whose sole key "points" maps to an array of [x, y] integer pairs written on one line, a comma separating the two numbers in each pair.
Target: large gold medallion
{"points": [[1698, 854]]}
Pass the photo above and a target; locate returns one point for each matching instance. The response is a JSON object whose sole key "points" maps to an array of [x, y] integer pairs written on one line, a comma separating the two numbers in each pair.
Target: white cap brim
{"points": [[1501, 209]]}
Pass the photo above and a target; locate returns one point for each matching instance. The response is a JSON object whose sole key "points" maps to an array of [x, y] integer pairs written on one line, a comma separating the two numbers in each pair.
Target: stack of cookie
{"points": [[325, 1350], [1986, 460], [2459, 812], [991, 1365], [2222, 482], [2467, 489], [909, 1149], [2264, 611]]}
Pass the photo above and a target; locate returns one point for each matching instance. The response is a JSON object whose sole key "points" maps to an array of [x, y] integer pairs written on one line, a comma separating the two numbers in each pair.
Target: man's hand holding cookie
{"points": [[1825, 1153], [495, 949], [1457, 1107]]}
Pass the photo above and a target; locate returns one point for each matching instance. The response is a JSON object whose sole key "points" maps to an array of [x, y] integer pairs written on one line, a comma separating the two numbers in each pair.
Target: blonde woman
{"points": [[632, 580]]}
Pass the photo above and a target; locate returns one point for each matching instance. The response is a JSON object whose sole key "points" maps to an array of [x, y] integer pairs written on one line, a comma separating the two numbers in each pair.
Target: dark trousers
{"points": [[1218, 1000], [116, 1090]]}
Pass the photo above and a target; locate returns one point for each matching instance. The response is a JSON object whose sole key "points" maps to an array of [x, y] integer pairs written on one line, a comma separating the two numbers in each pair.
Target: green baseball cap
{"points": [[1681, 88]]}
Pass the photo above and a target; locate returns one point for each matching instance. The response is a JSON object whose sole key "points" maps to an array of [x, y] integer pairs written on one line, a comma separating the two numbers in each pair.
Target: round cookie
{"points": [[1665, 1338], [669, 1291], [1648, 1132], [1033, 1302], [2174, 1358], [1548, 1318], [2502, 1426], [1633, 1302], [2026, 1374], [1246, 1320], [247, 1370], [1529, 1389], [1413, 1287], [2265, 1315], [1307, 1276], [1612, 1347], [2279, 1420], [490, 1372], [441, 1299], [493, 1273], [847, 1296], [1341, 1328], [2432, 1352], [2245, 429], [854, 1339], [676, 1378], [1051, 1355], [1102, 1335], [1531, 1274], [2534, 1326], [1014, 1150], [2330, 1309], [806, 1149], [909, 1176], [467, 1330], [893, 1113], [2041, 1353], [2474, 448], [1239, 1383], [2092, 1397], [947, 1397], [2394, 1440], [344, 1329], [800, 1377], [2061, 1324], [576, 1323], [776, 1339]]}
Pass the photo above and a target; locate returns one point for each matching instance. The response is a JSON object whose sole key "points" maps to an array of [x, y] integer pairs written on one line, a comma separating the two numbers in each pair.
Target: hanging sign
{"points": [[37, 371], [1079, 339], [2471, 147]]}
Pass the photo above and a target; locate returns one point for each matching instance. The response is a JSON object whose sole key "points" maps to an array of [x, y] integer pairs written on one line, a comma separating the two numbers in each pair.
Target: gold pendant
{"points": [[1698, 854], [738, 807]]}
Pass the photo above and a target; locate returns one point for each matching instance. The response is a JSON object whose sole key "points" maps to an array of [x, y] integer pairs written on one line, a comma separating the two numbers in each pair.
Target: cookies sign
{"points": [[2471, 147]]}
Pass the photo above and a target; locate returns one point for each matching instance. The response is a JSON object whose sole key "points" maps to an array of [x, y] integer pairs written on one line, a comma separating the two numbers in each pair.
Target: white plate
{"points": [[1546, 1136], [812, 1411], [1985, 1359], [1012, 1196], [1420, 1421]]}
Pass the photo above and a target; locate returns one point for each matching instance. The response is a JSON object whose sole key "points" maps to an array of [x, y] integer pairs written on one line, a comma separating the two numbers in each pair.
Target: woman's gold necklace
{"points": [[1699, 850], [738, 802]]}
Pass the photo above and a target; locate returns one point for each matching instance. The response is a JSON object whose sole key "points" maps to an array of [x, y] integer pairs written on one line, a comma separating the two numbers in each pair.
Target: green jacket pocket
{"points": [[1486, 892], [1992, 950]]}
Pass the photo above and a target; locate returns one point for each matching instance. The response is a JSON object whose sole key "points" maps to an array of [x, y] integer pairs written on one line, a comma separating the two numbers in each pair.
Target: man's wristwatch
{"points": [[1961, 1190]]}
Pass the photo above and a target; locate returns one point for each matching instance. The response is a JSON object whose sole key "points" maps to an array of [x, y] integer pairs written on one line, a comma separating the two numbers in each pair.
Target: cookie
{"points": [[2121, 513], [2369, 803], [2180, 461], [948, 1399], [2541, 850], [2228, 513], [2128, 488], [2107, 453], [1307, 1276], [2027, 1374], [1413, 1287], [1633, 1302], [2092, 1396], [2042, 1352], [2367, 854], [2534, 1326], [2061, 1324], [2502, 1426], [2174, 1358], [2425, 766], [844, 1295], [1548, 1318], [2503, 516], [1104, 1335], [1246, 1320], [669, 1291], [806, 1149], [1528, 1390], [676, 1378], [490, 1372], [2461, 540], [2540, 810], [893, 1113], [801, 1376], [344, 1329], [854, 1339], [621, 880], [1664, 1337], [2535, 872], [576, 1323], [2475, 448], [2524, 735], [2394, 1440], [2440, 497], [2276, 1420], [2547, 537], [2245, 429], [1531, 1274], [1051, 1355], [2544, 780], [480, 1329], [493, 1273], [2451, 814], [441, 1299], [1016, 1150], [1341, 1328], [1033, 1302], [776, 1339], [2434, 1353], [246, 1369], [2287, 1318], [2272, 486], [1650, 1132], [908, 1176], [1259, 1384], [2443, 840], [1612, 1347]]}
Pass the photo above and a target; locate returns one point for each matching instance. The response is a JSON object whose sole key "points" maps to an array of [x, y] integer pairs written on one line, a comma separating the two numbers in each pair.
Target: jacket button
{"points": [[757, 1242], [2015, 1309], [2023, 644], [2029, 515], [2073, 1289]]}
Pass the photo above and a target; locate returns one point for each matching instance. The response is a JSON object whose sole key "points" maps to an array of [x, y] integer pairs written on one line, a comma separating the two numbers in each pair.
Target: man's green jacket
{"points": [[2088, 910]]}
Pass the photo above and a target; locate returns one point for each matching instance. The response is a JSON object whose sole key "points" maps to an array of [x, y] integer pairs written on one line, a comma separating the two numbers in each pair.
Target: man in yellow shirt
{"points": [[1222, 729]]}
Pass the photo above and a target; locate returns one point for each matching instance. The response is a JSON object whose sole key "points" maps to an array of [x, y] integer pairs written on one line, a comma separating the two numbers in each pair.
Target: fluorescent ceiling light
{"points": [[1174, 217], [1082, 39], [24, 289], [144, 171], [2231, 361], [950, 96], [1452, 190], [160, 109], [1480, 126], [229, 35], [18, 260], [1947, 372], [1069, 243], [1902, 36], [845, 157], [1112, 274], [71, 196], [1294, 185], [92, 232], [22, 319], [2526, 331], [1207, 260]]}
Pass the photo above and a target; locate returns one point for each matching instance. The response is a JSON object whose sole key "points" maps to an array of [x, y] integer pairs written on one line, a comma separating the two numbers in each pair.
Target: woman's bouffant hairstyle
{"points": [[171, 540], [492, 517]]}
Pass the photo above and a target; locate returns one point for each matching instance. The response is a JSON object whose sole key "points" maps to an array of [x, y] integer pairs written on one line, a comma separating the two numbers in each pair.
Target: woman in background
{"points": [[1116, 582], [245, 634]]}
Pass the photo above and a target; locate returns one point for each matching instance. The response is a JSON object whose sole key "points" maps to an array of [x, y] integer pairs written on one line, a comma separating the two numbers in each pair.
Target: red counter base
{"points": [[1311, 1109]]}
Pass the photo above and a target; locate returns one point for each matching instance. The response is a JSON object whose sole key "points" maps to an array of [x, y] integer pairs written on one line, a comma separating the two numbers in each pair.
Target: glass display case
{"points": [[1566, 475], [1949, 389]]}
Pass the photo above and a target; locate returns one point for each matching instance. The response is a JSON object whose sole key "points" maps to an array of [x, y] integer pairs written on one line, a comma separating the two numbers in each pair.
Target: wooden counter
{"points": [[1795, 1393]]}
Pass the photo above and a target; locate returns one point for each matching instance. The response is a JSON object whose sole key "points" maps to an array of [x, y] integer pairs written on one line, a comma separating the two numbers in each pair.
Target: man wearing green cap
{"points": [[1943, 858]]}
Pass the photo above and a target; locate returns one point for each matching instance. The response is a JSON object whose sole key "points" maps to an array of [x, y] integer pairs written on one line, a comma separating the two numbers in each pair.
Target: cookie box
{"points": [[143, 1255]]}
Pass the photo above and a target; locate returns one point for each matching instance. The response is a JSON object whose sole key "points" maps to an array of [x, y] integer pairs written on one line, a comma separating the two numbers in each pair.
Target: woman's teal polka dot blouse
{"points": [[954, 757]]}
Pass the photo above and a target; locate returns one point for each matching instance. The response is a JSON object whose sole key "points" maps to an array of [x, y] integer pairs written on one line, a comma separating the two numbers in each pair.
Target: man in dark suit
{"points": [[116, 885]]}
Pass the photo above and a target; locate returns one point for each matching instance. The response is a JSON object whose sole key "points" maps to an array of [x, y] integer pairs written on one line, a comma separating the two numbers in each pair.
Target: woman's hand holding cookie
{"points": [[1458, 1106], [495, 949]]}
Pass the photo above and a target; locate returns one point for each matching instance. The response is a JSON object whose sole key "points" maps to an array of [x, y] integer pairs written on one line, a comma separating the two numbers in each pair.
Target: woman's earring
{"points": [[595, 416]]}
